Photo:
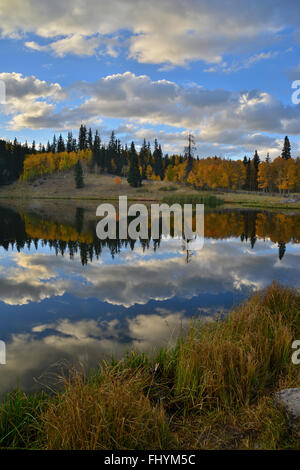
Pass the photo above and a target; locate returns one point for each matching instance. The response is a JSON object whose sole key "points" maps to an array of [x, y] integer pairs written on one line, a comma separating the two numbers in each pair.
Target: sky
{"points": [[221, 69]]}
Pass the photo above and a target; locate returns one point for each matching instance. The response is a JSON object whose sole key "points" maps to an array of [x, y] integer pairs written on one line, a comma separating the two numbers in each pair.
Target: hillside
{"points": [[62, 185], [103, 186]]}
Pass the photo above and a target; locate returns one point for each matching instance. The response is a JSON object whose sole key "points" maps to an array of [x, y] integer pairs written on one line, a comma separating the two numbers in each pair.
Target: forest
{"points": [[24, 162]]}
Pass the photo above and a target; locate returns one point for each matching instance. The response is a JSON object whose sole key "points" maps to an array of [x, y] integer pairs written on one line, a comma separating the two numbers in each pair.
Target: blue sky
{"points": [[221, 69]]}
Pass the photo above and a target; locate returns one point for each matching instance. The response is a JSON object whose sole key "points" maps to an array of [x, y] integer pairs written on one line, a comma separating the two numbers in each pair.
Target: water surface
{"points": [[67, 296]]}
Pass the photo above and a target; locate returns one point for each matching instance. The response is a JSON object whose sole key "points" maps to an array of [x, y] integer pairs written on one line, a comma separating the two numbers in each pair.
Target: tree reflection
{"points": [[20, 231]]}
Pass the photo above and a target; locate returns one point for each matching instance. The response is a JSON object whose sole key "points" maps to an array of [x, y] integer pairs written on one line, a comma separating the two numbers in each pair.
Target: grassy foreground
{"points": [[214, 390]]}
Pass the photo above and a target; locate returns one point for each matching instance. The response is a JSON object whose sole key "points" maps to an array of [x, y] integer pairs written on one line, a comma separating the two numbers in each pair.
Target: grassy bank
{"points": [[214, 390], [61, 187]]}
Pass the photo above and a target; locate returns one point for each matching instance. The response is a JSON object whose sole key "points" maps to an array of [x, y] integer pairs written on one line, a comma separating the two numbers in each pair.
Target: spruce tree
{"points": [[90, 139], [256, 162], [134, 175], [78, 174], [286, 151], [158, 163], [70, 142], [97, 150], [54, 145], [82, 138], [60, 144]]}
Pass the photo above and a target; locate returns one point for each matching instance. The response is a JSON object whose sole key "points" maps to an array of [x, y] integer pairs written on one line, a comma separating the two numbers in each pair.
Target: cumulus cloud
{"points": [[223, 121], [169, 31], [21, 90], [77, 44]]}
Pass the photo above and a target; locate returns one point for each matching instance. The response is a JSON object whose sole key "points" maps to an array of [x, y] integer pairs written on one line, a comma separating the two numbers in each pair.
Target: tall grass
{"points": [[214, 389], [20, 417], [208, 199], [234, 361], [109, 411]]}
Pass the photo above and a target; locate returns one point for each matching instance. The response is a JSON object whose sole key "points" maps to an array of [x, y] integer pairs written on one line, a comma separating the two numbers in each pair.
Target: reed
{"points": [[207, 199]]}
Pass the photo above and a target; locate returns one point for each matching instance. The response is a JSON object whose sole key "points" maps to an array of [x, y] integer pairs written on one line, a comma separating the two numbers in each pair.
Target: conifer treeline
{"points": [[280, 175]]}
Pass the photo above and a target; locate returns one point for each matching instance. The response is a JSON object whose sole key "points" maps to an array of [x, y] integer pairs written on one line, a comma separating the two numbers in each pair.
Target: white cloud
{"points": [[77, 44], [160, 31], [223, 121]]}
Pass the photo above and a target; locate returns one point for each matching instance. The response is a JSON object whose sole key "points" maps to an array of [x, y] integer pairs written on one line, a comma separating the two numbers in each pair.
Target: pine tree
{"points": [[282, 249], [97, 150], [90, 139], [60, 144], [78, 174], [286, 151], [256, 162], [111, 153], [70, 142], [54, 144], [158, 164], [134, 176], [82, 138], [144, 158]]}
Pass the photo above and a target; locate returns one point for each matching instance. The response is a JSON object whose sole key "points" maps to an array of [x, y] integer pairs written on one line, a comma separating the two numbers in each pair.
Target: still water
{"points": [[67, 297]]}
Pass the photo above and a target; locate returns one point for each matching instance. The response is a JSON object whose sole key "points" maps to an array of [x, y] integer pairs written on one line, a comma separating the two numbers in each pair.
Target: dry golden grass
{"points": [[110, 412]]}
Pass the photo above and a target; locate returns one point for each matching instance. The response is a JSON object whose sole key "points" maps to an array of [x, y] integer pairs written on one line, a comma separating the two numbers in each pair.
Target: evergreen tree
{"points": [[134, 176], [247, 163], [282, 248], [78, 174], [74, 145], [82, 138], [111, 153], [60, 144], [54, 144], [70, 142], [90, 139], [256, 162], [158, 164], [144, 158], [97, 150], [286, 151]]}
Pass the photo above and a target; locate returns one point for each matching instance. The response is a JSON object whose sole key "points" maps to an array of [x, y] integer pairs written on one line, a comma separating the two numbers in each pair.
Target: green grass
{"points": [[213, 390], [208, 200], [169, 188]]}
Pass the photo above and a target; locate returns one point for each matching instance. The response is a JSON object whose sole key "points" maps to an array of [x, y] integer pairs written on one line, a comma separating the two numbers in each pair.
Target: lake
{"points": [[67, 298]]}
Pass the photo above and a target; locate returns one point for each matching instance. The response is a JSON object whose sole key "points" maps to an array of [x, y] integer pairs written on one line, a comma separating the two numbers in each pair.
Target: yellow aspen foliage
{"points": [[41, 164]]}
